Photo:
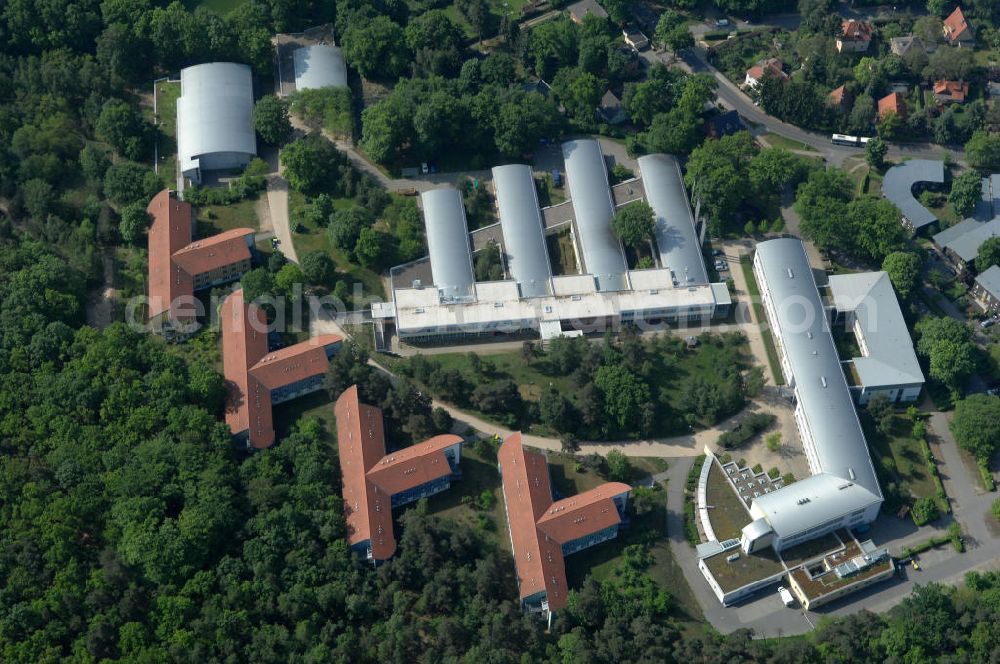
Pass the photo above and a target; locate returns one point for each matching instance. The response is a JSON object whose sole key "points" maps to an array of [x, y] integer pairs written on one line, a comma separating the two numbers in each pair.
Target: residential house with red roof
{"points": [[840, 97], [755, 73], [957, 30], [892, 103], [951, 92], [543, 531], [178, 266], [855, 36], [257, 378], [375, 482]]}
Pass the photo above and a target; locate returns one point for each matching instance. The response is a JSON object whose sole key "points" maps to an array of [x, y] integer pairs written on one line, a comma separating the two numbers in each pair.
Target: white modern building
{"points": [[531, 299], [843, 490], [319, 66], [866, 304], [214, 119], [587, 174]]}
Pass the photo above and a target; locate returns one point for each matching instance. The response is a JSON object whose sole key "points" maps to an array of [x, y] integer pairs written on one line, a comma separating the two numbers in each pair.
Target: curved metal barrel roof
{"points": [[448, 243], [319, 66], [847, 479], [521, 223], [676, 237], [593, 207], [214, 111]]}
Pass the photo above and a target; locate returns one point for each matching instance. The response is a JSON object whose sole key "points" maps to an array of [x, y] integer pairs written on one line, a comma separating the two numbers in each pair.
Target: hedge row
{"points": [[748, 427], [690, 518]]}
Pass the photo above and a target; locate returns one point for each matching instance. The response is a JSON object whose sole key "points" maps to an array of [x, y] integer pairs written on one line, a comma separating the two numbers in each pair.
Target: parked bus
{"points": [[852, 141], [843, 139]]}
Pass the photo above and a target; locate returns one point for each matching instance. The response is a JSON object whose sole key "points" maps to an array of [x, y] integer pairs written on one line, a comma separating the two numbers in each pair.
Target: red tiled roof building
{"points": [[178, 267], [957, 30], [544, 531], [375, 482], [855, 36], [951, 91], [755, 73], [258, 379], [892, 103], [839, 97]]}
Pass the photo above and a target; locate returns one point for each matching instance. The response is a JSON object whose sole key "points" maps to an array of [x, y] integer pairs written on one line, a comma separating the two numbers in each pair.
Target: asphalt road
{"points": [[732, 97]]}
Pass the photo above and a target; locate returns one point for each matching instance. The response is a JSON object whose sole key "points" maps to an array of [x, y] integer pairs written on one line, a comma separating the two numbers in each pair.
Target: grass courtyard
{"points": [[727, 513], [535, 375], [758, 312], [308, 236], [167, 93], [905, 454]]}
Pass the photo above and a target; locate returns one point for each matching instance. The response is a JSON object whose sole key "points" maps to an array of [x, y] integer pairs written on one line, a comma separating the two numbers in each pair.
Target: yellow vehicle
{"points": [[916, 565]]}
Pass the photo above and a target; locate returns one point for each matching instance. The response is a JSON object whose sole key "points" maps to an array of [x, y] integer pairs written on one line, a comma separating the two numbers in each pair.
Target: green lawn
{"points": [[529, 377], [478, 476], [317, 404], [314, 237], [532, 377], [758, 312], [166, 108], [214, 219], [599, 561], [906, 455], [779, 141], [561, 254], [566, 481], [728, 515]]}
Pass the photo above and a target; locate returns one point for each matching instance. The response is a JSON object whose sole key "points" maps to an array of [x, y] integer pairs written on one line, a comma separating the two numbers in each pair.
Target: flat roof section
{"points": [[448, 244], [676, 238], [521, 223], [319, 66], [592, 204], [898, 183], [890, 359]]}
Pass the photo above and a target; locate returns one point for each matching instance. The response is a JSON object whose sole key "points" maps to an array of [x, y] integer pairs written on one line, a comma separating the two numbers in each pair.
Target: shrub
{"points": [[757, 469], [619, 468], [788, 478], [726, 457], [774, 473], [996, 509], [924, 511], [984, 472], [773, 441], [747, 428]]}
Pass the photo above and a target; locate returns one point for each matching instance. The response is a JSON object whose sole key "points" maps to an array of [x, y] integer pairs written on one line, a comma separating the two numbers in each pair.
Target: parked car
{"points": [[722, 23], [786, 596], [556, 178], [987, 323], [424, 169]]}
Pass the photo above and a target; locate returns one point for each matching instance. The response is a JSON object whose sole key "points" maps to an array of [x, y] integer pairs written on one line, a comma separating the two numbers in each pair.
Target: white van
{"points": [[786, 596]]}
